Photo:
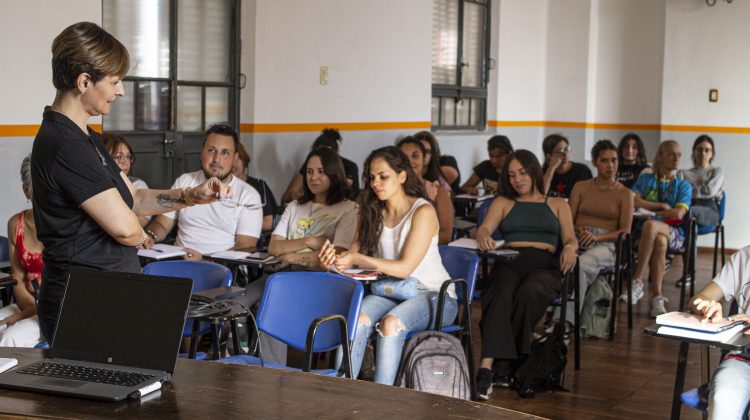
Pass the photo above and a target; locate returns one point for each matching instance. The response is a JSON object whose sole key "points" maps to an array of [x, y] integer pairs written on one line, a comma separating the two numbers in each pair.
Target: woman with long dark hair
{"points": [[561, 173], [519, 290], [397, 234], [447, 173], [631, 156], [435, 191]]}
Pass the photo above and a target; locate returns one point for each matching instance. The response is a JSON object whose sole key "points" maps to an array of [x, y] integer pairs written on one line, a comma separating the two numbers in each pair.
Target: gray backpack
{"points": [[435, 362], [596, 313]]}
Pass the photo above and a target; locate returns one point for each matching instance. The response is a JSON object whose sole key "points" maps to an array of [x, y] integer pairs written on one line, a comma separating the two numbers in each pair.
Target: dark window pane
{"points": [[153, 105]]}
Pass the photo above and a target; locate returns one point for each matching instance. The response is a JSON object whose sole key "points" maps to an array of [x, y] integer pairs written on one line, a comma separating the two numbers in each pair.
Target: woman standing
{"points": [[19, 326], [519, 290], [414, 150], [397, 234], [707, 181], [86, 209]]}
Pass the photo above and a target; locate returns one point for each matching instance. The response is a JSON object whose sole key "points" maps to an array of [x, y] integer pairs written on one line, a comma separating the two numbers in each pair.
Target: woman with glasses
{"points": [[124, 157], [519, 291], [707, 181], [414, 150], [560, 173], [19, 326], [239, 169], [632, 160], [488, 172], [397, 234], [448, 174], [86, 210]]}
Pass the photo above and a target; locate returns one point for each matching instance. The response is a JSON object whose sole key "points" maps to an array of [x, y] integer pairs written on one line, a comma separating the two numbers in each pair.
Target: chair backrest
{"points": [[722, 206], [293, 300], [482, 214], [205, 275], [460, 264], [4, 253]]}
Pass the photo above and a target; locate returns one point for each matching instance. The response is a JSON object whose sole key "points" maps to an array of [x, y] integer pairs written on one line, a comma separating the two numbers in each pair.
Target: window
{"points": [[182, 72], [460, 52]]}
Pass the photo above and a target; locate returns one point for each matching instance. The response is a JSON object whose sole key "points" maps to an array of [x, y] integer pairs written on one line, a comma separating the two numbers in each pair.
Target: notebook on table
{"points": [[683, 324], [118, 335]]}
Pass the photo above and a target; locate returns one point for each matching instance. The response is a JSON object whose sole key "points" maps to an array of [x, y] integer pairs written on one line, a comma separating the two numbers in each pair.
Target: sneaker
{"points": [[637, 293], [503, 381], [484, 384], [657, 306]]}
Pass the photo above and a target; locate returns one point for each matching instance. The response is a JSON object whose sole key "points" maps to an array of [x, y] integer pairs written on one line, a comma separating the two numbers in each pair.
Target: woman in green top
{"points": [[519, 290]]}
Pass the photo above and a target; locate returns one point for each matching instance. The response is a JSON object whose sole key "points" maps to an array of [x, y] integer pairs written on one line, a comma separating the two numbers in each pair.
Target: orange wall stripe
{"points": [[30, 130], [612, 126], [314, 127]]}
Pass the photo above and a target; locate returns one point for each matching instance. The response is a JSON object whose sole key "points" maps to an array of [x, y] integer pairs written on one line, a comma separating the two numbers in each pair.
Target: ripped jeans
{"points": [[416, 314]]}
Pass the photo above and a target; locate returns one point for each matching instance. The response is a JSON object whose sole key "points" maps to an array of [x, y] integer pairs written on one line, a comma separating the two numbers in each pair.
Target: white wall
{"points": [[706, 47], [27, 29]]}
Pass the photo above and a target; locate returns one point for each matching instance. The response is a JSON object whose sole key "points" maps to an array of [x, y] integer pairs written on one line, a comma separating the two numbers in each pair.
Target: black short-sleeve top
{"points": [[67, 168]]}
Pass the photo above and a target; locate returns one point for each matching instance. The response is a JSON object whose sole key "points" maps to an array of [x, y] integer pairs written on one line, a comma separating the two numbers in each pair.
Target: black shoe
{"points": [[484, 384], [503, 381]]}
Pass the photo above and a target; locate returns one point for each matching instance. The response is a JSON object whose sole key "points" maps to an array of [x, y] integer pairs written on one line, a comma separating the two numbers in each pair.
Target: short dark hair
{"points": [[601, 146], [640, 157], [330, 138], [85, 47], [338, 189], [700, 139], [224, 130], [531, 164], [500, 142]]}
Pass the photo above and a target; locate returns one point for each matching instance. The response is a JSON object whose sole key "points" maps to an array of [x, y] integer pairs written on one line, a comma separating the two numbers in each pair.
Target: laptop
{"points": [[117, 336]]}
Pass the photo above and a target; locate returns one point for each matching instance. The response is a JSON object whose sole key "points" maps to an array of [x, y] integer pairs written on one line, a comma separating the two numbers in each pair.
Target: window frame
{"points": [[458, 92]]}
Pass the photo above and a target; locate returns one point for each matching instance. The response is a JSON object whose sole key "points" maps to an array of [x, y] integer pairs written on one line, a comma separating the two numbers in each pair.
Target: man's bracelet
{"points": [[184, 196]]}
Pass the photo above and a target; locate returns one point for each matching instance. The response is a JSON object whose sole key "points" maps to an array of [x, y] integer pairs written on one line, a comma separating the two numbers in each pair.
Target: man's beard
{"points": [[222, 177]]}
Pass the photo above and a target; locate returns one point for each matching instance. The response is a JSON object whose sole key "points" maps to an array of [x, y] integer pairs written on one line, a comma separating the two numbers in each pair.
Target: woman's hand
{"points": [[567, 259], [192, 255], [209, 191], [11, 319], [472, 190], [345, 260], [586, 238], [554, 161], [710, 309], [327, 255], [485, 242], [432, 189]]}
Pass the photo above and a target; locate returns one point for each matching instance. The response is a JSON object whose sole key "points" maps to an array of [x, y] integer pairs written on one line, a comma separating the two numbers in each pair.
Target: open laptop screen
{"points": [[122, 319]]}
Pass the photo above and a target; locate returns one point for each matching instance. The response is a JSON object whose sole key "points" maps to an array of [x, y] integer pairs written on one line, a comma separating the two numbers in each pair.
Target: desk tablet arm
{"points": [[441, 299], [310, 342]]}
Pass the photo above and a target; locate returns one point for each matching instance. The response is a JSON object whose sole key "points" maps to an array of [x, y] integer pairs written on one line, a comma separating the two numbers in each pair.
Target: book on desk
{"points": [[477, 198], [256, 257], [162, 251], [682, 324]]}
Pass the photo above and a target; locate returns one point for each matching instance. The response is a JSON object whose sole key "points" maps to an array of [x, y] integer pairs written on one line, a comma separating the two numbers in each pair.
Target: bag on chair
{"points": [[595, 313], [435, 362]]}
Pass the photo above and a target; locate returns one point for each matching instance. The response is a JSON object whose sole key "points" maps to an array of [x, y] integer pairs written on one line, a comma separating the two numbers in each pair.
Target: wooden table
{"points": [[202, 390], [738, 343]]}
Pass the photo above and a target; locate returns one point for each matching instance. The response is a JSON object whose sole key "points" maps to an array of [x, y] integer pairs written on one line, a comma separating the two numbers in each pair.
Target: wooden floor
{"points": [[630, 377]]}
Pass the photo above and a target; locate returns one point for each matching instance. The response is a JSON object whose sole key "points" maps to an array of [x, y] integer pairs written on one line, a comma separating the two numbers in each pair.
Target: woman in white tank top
{"points": [[397, 234]]}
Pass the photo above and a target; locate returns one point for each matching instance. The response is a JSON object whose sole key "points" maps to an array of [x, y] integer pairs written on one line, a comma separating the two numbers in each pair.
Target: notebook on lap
{"points": [[118, 335]]}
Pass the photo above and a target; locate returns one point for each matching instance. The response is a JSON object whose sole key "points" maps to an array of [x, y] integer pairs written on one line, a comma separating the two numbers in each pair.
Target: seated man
{"points": [[729, 393], [230, 223]]}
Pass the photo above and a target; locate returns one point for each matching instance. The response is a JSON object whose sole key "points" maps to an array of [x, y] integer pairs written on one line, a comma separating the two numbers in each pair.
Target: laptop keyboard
{"points": [[84, 373]]}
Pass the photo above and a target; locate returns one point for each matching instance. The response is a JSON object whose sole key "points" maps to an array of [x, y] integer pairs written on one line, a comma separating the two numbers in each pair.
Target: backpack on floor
{"points": [[544, 369], [595, 313], [435, 362]]}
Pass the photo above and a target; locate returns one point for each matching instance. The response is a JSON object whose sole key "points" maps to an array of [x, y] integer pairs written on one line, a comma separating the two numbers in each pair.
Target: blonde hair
{"points": [[659, 156]]}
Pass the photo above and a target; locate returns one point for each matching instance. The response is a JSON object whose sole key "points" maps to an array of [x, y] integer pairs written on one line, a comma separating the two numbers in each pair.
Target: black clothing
{"points": [[266, 195], [562, 184], [518, 293], [489, 176], [352, 172], [627, 174], [448, 160], [67, 168]]}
